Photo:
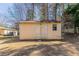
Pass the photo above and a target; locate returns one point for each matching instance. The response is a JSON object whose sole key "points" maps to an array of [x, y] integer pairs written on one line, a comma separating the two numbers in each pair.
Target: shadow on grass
{"points": [[38, 50], [72, 39]]}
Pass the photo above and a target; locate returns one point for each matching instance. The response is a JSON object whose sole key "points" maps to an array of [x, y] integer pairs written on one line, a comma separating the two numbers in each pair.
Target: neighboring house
{"points": [[39, 30], [7, 31], [2, 29], [11, 32]]}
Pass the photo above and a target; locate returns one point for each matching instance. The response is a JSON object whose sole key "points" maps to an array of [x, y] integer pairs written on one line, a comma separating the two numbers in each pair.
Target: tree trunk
{"points": [[56, 11], [75, 30], [44, 11]]}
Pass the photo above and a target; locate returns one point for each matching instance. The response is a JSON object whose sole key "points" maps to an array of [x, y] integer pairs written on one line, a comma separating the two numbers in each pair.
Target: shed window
{"points": [[54, 27]]}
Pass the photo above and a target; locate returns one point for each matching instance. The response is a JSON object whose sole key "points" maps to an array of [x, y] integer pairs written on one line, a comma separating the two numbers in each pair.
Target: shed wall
{"points": [[39, 31]]}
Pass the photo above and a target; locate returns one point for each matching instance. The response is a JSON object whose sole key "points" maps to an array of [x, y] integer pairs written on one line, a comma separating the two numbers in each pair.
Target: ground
{"points": [[13, 47]]}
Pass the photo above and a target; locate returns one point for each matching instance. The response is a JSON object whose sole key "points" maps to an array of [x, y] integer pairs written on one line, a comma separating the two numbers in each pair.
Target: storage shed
{"points": [[29, 30]]}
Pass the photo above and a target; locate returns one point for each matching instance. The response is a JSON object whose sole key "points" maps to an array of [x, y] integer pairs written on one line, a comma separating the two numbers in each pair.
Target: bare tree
{"points": [[51, 11], [30, 11], [21, 11], [17, 11], [44, 11], [57, 11]]}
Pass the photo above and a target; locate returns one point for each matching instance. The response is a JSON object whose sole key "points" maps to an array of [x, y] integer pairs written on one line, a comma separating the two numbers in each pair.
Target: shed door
{"points": [[44, 31]]}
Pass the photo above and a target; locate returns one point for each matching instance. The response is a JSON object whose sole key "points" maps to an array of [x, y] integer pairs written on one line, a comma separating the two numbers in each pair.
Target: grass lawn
{"points": [[13, 47]]}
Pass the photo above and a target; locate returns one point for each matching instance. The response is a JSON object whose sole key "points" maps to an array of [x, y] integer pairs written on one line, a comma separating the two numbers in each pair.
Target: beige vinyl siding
{"points": [[39, 31], [29, 31], [54, 34]]}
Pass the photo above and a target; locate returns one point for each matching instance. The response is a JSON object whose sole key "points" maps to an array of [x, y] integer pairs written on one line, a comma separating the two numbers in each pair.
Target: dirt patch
{"points": [[36, 48]]}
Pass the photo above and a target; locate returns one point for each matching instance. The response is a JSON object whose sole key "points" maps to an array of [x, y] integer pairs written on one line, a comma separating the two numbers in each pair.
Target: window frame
{"points": [[54, 27]]}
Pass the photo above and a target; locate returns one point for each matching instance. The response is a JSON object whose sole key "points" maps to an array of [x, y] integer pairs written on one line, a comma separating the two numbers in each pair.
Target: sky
{"points": [[4, 8], [4, 12]]}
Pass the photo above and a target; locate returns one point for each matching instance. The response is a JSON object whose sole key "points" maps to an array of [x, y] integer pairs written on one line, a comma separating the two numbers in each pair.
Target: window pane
{"points": [[54, 27]]}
